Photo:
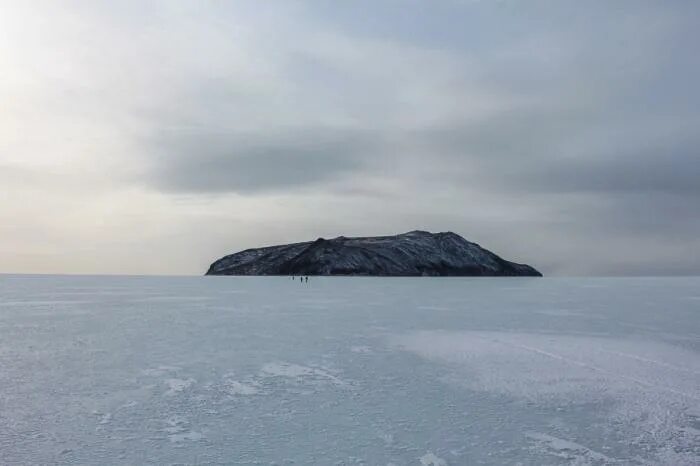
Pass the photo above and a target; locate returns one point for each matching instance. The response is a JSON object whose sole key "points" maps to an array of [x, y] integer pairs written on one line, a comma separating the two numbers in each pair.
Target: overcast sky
{"points": [[156, 136]]}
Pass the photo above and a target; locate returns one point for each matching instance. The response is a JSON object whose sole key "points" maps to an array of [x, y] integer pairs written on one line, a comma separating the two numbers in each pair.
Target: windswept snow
{"points": [[176, 386], [234, 387], [295, 371], [568, 450], [425, 372], [429, 459]]}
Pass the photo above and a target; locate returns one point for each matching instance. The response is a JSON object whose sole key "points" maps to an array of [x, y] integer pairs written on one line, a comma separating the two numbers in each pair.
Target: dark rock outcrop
{"points": [[417, 253]]}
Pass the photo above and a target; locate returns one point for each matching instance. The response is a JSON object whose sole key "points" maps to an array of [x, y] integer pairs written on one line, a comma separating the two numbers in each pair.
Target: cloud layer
{"points": [[153, 137]]}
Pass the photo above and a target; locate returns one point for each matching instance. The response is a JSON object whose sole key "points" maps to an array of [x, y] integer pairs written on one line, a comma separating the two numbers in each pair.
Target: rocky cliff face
{"points": [[417, 253]]}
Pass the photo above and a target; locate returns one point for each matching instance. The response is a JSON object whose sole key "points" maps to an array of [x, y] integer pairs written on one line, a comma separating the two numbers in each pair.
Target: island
{"points": [[412, 254]]}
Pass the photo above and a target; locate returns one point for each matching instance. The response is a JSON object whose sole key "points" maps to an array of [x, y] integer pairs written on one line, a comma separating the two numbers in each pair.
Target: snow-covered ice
{"points": [[429, 459], [375, 371]]}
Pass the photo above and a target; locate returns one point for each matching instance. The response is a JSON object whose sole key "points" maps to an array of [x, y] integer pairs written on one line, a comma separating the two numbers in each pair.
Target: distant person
{"points": [[307, 279]]}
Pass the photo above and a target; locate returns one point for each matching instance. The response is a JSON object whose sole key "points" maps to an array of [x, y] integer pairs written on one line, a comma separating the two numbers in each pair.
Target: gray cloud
{"points": [[656, 170], [564, 151], [247, 163]]}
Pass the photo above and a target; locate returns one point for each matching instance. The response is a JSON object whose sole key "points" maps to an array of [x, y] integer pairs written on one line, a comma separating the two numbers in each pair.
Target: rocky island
{"points": [[416, 253]]}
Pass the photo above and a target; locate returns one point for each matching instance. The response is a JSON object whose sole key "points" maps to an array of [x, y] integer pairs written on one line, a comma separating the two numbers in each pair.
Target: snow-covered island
{"points": [[416, 253]]}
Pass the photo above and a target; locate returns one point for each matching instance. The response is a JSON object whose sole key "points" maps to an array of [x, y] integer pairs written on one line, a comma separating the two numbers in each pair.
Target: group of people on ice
{"points": [[301, 279]]}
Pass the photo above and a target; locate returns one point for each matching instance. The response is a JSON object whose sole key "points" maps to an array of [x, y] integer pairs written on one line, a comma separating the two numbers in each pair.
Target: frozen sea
{"points": [[347, 371]]}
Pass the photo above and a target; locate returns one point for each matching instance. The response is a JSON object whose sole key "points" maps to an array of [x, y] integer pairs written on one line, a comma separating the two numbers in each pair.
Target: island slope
{"points": [[416, 253]]}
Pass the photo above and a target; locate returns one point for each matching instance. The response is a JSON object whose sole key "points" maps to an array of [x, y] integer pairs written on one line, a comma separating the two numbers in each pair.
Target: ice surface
{"points": [[339, 371], [429, 459], [176, 386]]}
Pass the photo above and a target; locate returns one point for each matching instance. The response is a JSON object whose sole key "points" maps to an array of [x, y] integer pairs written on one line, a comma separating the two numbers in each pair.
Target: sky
{"points": [[153, 137]]}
